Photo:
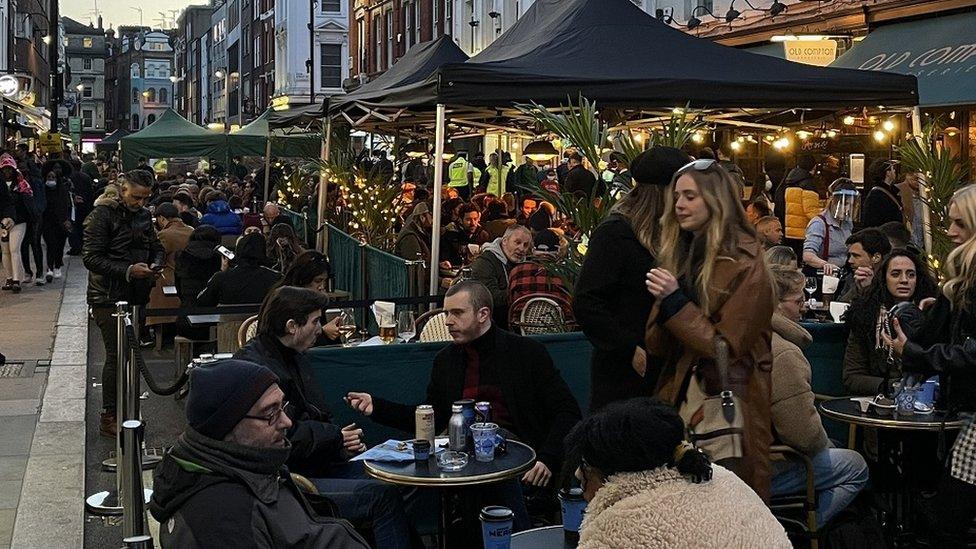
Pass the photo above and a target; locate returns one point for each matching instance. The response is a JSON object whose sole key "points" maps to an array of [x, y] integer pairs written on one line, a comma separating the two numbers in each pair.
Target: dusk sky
{"points": [[122, 12]]}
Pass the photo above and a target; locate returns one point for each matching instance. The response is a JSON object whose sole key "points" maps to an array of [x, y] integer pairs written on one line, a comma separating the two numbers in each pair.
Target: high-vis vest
{"points": [[497, 178], [458, 172]]}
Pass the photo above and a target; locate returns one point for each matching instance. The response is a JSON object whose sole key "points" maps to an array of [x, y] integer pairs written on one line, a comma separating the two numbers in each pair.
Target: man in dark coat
{"points": [[515, 374], [248, 280], [460, 234], [492, 266], [578, 179], [288, 325], [120, 250], [82, 197], [225, 483], [882, 204]]}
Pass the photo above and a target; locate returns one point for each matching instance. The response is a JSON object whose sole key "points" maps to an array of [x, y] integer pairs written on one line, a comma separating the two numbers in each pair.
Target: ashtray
{"points": [[863, 402], [883, 406], [452, 461]]}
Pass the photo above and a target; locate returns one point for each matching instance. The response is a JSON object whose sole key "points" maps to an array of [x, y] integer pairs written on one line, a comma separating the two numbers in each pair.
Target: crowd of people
{"points": [[687, 289]]}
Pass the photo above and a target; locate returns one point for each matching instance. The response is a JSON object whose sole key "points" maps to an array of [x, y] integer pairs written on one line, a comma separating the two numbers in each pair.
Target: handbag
{"points": [[714, 424]]}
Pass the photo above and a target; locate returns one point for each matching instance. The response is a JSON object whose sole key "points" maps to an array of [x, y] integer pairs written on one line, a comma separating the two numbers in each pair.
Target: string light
{"points": [[848, 120]]}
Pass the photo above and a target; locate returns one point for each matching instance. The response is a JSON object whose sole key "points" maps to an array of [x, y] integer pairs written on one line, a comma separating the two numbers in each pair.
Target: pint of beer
{"points": [[388, 333]]}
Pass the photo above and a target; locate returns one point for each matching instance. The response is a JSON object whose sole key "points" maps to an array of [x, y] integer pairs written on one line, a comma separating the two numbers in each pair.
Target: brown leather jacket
{"points": [[742, 296]]}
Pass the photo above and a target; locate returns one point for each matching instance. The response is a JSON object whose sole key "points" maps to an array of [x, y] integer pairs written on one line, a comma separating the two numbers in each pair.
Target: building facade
{"points": [[143, 65], [383, 30], [190, 54], [28, 60], [86, 51], [296, 75]]}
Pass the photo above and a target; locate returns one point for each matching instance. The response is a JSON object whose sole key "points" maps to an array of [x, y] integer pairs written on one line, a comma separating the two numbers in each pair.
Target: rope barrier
{"points": [[130, 337]]}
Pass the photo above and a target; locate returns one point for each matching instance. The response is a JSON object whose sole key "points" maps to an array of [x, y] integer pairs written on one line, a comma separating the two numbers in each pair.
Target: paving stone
{"points": [[50, 513], [63, 357], [7, 517], [22, 388], [12, 467], [58, 437], [22, 407], [70, 338], [16, 433], [65, 382], [9, 493], [67, 409]]}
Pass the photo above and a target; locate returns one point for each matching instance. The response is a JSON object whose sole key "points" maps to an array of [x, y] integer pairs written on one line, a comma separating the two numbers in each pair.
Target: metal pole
{"points": [[435, 235], [320, 240], [267, 169], [133, 495], [57, 82], [138, 542], [121, 315], [923, 186], [311, 51], [131, 388]]}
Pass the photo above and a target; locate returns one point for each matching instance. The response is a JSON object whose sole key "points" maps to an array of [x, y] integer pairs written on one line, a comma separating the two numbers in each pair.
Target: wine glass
{"points": [[811, 286], [346, 325], [406, 325]]}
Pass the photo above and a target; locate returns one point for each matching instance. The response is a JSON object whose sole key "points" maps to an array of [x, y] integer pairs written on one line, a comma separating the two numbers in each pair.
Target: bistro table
{"points": [[518, 459], [899, 426], [547, 537], [223, 328]]}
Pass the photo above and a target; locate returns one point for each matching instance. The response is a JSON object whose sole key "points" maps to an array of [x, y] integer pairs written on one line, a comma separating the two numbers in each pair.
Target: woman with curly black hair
{"points": [[868, 361], [647, 488]]}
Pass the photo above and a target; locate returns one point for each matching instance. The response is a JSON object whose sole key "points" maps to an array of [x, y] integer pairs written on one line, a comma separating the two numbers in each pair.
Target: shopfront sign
{"points": [[811, 52], [49, 142]]}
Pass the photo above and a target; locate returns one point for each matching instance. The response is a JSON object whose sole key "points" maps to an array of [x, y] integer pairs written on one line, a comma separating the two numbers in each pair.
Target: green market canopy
{"points": [[172, 136], [252, 140]]}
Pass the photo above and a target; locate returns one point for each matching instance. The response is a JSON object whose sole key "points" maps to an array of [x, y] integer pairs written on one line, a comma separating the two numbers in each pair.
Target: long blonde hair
{"points": [[960, 266], [693, 256], [642, 208]]}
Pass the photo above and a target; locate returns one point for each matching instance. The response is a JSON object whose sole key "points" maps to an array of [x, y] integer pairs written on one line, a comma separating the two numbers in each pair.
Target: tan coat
{"points": [[659, 509], [742, 296], [794, 410], [174, 238]]}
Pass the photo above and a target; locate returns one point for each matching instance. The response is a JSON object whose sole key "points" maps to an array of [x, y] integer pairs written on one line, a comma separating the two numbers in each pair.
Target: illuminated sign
{"points": [[9, 86]]}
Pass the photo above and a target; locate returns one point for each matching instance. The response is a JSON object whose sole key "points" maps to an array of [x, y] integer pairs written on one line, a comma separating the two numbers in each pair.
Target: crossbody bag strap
{"points": [[722, 363], [825, 246]]}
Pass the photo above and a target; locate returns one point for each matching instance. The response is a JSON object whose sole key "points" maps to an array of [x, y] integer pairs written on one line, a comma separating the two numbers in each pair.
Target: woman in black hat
{"points": [[611, 303]]}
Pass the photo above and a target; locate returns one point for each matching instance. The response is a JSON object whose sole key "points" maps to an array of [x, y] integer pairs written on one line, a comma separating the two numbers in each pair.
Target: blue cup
{"points": [[484, 435], [573, 505], [496, 527], [929, 392]]}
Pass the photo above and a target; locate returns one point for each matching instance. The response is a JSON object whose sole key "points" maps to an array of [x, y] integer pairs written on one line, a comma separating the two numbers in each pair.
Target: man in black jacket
{"points": [[528, 396], [82, 197], [120, 251], [247, 280], [288, 325], [225, 484]]}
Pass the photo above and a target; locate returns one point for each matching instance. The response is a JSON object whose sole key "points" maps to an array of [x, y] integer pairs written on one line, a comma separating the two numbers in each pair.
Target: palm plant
{"points": [[578, 124], [942, 174]]}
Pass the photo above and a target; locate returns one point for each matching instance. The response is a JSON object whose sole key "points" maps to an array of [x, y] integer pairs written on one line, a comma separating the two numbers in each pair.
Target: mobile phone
{"points": [[225, 252], [158, 268]]}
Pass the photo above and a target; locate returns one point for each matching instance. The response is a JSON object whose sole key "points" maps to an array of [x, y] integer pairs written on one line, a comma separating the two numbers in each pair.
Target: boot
{"points": [[109, 426]]}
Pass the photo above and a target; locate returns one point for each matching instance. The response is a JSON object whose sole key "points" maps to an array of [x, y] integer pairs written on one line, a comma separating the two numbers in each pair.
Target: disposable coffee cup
{"points": [[572, 505], [496, 527], [837, 310]]}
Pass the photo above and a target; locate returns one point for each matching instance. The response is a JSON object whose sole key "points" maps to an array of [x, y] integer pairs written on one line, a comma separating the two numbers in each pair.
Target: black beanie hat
{"points": [[656, 166], [222, 393]]}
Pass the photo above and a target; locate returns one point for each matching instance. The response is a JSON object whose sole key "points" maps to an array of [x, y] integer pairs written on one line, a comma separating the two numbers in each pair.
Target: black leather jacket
{"points": [[947, 347], [115, 239]]}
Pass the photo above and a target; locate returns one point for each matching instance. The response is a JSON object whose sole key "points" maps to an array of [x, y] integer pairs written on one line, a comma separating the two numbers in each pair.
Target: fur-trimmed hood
{"points": [[661, 509]]}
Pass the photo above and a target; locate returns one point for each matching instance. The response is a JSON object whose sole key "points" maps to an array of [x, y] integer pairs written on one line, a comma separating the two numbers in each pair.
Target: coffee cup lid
{"points": [[573, 493], [496, 513]]}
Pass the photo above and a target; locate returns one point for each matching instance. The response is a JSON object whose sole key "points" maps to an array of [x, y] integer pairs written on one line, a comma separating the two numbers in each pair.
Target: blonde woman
{"points": [[948, 347], [712, 282]]}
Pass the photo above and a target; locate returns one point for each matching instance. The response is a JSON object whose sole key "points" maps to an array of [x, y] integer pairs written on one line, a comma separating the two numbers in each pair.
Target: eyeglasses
{"points": [[271, 418]]}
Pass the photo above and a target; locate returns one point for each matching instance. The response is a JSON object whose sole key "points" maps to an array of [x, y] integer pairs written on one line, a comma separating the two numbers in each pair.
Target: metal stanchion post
{"points": [[138, 542], [109, 502], [133, 392], [134, 497]]}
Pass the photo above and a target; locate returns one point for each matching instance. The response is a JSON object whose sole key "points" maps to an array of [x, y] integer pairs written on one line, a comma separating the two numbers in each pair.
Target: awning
{"points": [[940, 52], [774, 49]]}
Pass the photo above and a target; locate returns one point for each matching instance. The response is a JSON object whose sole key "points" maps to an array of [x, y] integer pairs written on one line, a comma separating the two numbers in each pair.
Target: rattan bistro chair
{"points": [[534, 314], [248, 329], [431, 326]]}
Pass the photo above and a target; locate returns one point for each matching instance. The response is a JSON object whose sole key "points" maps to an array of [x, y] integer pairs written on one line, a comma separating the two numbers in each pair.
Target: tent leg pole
{"points": [[922, 189], [320, 243], [267, 170], [435, 234]]}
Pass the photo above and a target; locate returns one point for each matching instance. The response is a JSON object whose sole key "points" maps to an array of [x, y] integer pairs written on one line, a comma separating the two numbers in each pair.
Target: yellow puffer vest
{"points": [[801, 206]]}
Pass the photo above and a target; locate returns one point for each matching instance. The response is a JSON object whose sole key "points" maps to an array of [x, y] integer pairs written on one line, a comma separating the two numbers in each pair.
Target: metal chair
{"points": [[538, 314], [431, 326], [248, 329], [787, 508]]}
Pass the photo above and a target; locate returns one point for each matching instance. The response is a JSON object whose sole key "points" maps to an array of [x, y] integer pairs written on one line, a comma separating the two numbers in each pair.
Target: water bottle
{"points": [[456, 429]]}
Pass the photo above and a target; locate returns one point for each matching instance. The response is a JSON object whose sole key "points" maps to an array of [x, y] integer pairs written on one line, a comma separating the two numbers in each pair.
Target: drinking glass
{"points": [[406, 325], [346, 325], [811, 286]]}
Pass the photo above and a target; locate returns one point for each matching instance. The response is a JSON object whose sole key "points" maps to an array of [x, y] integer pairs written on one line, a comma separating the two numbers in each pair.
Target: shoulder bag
{"points": [[714, 424]]}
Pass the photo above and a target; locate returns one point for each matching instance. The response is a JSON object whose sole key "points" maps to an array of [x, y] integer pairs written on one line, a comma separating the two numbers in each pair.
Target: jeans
{"points": [[108, 326], [363, 500], [839, 474], [54, 238]]}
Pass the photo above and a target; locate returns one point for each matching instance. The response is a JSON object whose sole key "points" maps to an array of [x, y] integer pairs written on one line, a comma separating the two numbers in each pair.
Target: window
{"points": [[389, 38], [86, 42], [407, 25], [331, 65], [378, 59], [150, 119], [88, 64], [436, 16], [151, 95], [448, 17], [361, 45], [416, 22], [87, 118], [86, 91], [135, 99], [135, 122], [332, 6], [134, 71], [162, 96]]}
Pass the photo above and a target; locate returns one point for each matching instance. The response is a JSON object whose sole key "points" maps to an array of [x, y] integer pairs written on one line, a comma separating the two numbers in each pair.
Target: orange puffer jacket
{"points": [[801, 206]]}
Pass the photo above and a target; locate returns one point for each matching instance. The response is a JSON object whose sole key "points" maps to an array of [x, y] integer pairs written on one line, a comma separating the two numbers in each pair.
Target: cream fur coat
{"points": [[661, 509]]}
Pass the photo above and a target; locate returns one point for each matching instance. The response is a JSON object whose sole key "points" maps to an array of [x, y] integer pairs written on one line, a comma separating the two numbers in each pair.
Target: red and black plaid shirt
{"points": [[532, 278]]}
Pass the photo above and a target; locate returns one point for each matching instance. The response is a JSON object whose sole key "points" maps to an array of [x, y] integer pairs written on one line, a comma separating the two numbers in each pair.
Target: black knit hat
{"points": [[656, 166], [222, 393]]}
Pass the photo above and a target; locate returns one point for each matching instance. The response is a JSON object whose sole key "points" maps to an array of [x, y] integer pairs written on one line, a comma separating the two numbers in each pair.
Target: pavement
{"points": [[42, 390]]}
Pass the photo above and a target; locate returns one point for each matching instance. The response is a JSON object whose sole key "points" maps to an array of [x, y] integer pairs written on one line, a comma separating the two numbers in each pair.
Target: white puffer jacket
{"points": [[661, 509]]}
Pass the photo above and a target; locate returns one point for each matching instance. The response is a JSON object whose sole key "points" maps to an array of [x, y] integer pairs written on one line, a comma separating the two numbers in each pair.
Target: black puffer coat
{"points": [[115, 239]]}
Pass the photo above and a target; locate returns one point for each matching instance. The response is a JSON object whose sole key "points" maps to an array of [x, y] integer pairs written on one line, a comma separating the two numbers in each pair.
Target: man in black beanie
{"points": [[225, 483]]}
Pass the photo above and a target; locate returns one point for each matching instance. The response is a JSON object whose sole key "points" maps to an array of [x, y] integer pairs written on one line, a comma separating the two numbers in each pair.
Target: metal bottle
{"points": [[457, 430]]}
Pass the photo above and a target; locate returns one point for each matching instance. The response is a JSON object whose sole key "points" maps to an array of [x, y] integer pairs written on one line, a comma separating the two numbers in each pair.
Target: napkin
{"points": [[383, 312], [390, 451], [830, 284]]}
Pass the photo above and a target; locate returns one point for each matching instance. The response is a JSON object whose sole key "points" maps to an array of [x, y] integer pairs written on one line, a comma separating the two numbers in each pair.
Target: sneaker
{"points": [[57, 272], [29, 279], [109, 425], [15, 288], [8, 285], [39, 281], [49, 276]]}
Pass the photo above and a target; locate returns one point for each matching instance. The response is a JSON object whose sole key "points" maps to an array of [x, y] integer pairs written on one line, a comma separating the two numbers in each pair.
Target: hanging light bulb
{"points": [[888, 125], [736, 146], [697, 137], [880, 136], [848, 120]]}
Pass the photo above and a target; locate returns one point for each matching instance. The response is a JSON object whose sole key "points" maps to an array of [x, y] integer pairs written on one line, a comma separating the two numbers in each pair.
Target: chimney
{"points": [[99, 21]]}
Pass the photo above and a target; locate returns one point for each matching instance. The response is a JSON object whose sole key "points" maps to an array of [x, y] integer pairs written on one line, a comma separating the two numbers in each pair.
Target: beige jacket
{"points": [[795, 419], [661, 509]]}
